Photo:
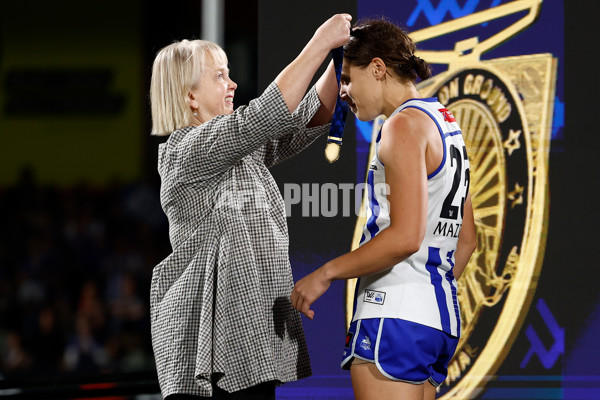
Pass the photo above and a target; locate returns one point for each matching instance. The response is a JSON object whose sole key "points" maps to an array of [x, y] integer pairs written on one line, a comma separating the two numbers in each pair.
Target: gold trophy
{"points": [[504, 107]]}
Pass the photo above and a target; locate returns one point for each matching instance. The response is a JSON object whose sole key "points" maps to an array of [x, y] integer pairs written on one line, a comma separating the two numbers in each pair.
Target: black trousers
{"points": [[263, 391]]}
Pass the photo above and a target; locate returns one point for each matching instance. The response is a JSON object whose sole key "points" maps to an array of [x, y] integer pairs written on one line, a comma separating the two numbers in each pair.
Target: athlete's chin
{"points": [[357, 113], [363, 116]]}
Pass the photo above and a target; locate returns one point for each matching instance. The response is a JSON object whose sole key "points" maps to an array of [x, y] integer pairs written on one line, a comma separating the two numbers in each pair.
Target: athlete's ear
{"points": [[378, 68]]}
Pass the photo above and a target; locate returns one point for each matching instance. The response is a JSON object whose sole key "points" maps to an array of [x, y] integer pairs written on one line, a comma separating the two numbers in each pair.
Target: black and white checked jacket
{"points": [[220, 305]]}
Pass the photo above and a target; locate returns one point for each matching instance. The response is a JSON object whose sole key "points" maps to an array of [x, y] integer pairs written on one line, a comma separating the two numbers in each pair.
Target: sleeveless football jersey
{"points": [[421, 288]]}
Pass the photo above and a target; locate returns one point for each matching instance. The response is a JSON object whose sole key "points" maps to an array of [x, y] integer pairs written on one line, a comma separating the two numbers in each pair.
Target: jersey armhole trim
{"points": [[437, 170], [377, 140]]}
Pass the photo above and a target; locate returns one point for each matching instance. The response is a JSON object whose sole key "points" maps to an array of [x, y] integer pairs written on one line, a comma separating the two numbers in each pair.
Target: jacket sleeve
{"points": [[215, 146], [284, 147]]}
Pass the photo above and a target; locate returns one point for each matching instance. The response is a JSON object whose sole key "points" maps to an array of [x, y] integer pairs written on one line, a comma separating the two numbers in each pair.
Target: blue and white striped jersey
{"points": [[421, 288]]}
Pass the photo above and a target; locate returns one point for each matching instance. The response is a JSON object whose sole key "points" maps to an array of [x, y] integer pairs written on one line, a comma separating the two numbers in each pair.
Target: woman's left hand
{"points": [[308, 290]]}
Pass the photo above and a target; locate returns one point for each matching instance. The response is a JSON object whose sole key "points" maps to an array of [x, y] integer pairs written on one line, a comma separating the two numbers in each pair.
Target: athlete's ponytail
{"points": [[421, 67]]}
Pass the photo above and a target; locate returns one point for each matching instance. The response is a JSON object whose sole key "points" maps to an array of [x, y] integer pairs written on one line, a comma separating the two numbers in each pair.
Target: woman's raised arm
{"points": [[293, 81]]}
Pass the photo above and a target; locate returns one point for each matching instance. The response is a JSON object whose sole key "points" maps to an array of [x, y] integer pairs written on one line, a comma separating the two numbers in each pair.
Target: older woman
{"points": [[222, 322]]}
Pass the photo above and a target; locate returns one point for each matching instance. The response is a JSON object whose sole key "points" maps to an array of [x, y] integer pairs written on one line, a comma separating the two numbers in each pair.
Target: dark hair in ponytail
{"points": [[381, 38]]}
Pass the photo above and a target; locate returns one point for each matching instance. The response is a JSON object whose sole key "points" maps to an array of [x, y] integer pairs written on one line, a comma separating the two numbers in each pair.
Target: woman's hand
{"points": [[308, 290], [334, 32], [295, 78]]}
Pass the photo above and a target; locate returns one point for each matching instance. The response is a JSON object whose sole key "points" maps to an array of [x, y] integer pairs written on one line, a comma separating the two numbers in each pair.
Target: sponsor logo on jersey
{"points": [[448, 117], [375, 297]]}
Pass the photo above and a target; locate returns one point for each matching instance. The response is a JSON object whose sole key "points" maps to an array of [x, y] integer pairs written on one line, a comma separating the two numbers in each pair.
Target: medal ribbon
{"points": [[338, 122]]}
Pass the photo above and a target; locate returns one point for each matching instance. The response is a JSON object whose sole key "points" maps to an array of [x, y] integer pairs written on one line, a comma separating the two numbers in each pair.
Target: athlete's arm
{"points": [[402, 150], [467, 239]]}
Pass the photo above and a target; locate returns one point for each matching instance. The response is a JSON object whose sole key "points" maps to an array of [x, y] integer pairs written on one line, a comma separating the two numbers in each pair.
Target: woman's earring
{"points": [[195, 114]]}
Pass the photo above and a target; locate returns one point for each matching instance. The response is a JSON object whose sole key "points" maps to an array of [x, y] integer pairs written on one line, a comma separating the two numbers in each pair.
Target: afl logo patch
{"points": [[375, 297]]}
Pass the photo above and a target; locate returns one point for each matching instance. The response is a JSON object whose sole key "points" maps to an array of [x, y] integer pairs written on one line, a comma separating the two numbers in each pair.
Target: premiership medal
{"points": [[338, 121]]}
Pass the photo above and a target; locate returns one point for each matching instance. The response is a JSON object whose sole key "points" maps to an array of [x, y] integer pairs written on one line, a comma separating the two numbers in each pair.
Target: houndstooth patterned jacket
{"points": [[219, 302]]}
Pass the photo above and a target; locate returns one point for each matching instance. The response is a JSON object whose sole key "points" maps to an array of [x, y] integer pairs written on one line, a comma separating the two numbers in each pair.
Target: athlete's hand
{"points": [[308, 290], [334, 32]]}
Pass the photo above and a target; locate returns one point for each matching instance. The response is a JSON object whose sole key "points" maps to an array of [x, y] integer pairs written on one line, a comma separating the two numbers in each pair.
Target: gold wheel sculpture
{"points": [[488, 187]]}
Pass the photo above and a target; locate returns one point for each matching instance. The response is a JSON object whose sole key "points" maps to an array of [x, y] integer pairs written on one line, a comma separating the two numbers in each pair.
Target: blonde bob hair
{"points": [[177, 68]]}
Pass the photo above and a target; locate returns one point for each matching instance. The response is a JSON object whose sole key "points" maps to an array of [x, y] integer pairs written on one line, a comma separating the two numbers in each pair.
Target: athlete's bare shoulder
{"points": [[410, 127]]}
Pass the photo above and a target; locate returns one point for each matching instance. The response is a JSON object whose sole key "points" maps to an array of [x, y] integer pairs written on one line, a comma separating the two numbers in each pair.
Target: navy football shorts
{"points": [[402, 350]]}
